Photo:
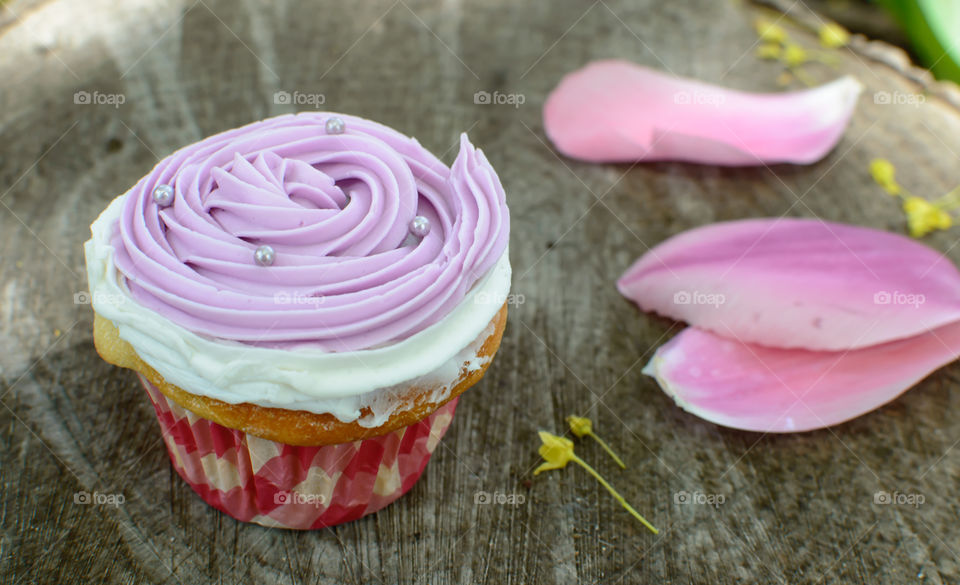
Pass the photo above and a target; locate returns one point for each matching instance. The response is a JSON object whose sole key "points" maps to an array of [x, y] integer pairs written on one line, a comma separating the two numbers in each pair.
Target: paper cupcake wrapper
{"points": [[274, 484]]}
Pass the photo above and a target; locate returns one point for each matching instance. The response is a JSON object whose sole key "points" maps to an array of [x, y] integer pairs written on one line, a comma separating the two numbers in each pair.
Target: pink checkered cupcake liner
{"points": [[304, 488]]}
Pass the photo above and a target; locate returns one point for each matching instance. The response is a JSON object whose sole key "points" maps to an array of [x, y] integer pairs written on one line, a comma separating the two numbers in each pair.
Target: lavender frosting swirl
{"points": [[336, 208]]}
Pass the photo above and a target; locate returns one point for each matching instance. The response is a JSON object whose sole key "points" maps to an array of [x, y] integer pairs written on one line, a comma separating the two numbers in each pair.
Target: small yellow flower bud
{"points": [[770, 32], [833, 36], [924, 217], [884, 174], [771, 51], [581, 427], [795, 55]]}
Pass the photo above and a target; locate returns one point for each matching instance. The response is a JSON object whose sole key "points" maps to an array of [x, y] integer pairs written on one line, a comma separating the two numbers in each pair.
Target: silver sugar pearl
{"points": [[420, 226], [163, 195], [264, 255], [335, 125]]}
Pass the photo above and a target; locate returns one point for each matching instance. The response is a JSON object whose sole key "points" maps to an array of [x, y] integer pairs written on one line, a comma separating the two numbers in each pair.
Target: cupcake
{"points": [[304, 300]]}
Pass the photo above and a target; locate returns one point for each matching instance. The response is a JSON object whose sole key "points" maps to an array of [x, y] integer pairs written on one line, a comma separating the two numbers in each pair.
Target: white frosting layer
{"points": [[301, 378]]}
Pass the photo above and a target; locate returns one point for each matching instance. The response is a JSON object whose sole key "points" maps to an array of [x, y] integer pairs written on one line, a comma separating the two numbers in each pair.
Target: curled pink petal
{"points": [[756, 388], [797, 283], [616, 111]]}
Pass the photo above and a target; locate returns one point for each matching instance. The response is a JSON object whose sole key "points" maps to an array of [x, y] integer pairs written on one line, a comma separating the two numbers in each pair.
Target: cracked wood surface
{"points": [[797, 509]]}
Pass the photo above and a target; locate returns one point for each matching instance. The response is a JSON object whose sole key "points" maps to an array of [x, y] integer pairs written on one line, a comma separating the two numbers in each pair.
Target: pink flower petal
{"points": [[797, 283], [615, 111], [758, 388]]}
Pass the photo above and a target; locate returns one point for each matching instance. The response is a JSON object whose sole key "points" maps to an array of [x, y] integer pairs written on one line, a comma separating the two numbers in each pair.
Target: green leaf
{"points": [[928, 24]]}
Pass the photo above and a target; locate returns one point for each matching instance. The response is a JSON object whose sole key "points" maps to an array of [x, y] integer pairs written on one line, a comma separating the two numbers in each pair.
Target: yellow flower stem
{"points": [[950, 200], [614, 493], [609, 451]]}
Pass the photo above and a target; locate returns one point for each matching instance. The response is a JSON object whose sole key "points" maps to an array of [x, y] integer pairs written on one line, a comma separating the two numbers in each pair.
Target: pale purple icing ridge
{"points": [[285, 182]]}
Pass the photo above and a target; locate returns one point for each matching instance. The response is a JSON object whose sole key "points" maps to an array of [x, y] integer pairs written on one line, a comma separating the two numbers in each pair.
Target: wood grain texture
{"points": [[798, 509]]}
